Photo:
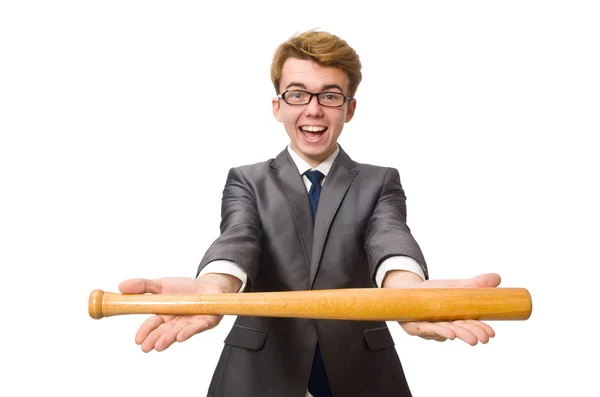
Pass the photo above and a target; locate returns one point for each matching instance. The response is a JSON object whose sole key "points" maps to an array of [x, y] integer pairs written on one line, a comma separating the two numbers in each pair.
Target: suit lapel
{"points": [[334, 189], [286, 176]]}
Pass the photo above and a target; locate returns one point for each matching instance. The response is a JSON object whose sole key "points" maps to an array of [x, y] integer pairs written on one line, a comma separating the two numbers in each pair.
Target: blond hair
{"points": [[323, 48]]}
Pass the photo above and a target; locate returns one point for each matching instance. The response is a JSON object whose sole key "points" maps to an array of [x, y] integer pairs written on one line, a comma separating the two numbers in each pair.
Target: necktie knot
{"points": [[315, 177]]}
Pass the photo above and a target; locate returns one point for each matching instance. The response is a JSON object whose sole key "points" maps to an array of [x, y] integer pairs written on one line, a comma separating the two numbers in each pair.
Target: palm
{"points": [[161, 331], [470, 331]]}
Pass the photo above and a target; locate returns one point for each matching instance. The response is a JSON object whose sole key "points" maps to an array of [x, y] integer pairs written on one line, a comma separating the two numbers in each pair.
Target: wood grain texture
{"points": [[380, 304]]}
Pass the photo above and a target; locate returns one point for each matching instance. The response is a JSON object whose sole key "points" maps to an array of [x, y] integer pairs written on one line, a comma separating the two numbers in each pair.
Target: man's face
{"points": [[313, 129]]}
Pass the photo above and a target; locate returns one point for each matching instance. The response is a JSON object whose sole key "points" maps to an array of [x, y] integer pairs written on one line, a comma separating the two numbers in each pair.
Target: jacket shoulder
{"points": [[372, 169], [256, 170]]}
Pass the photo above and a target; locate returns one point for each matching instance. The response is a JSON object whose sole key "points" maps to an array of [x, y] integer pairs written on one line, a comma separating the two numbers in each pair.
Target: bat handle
{"points": [[95, 304]]}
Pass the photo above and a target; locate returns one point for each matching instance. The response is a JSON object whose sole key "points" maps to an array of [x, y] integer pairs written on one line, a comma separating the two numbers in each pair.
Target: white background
{"points": [[120, 119]]}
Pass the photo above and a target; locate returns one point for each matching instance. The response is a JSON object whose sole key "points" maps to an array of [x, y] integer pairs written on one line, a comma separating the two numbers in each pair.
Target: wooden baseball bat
{"points": [[362, 304]]}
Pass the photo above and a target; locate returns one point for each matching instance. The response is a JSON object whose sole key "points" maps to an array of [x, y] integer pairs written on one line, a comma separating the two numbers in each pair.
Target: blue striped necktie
{"points": [[318, 385]]}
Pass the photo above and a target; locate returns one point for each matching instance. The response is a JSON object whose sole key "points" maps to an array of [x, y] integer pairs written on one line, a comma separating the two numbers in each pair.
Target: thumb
{"points": [[139, 286], [487, 280]]}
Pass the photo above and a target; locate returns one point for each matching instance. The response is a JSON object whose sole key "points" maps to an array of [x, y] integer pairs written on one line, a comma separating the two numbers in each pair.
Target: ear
{"points": [[350, 109], [276, 108]]}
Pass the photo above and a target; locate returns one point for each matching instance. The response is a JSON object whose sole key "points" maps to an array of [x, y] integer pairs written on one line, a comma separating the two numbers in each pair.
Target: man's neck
{"points": [[312, 161]]}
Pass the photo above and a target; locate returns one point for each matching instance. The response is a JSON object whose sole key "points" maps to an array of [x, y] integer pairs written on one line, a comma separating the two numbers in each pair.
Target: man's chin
{"points": [[316, 153]]}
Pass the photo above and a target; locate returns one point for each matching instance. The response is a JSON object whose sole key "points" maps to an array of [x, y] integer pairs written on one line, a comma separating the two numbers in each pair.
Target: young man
{"points": [[311, 218]]}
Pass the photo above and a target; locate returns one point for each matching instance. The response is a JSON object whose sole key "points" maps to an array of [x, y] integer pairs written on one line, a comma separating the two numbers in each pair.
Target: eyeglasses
{"points": [[301, 97]]}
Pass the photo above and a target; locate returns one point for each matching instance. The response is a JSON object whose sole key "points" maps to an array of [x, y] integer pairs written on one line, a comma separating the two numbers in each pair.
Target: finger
{"points": [[435, 338], [169, 336], [147, 327], [199, 325], [429, 329], [488, 330], [462, 333], [150, 341], [475, 329], [139, 286]]}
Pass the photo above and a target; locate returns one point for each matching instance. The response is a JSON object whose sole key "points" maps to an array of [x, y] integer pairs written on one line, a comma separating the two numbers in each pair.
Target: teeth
{"points": [[313, 129]]}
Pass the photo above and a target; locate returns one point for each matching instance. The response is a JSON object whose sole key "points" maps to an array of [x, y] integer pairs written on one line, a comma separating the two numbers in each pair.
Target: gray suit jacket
{"points": [[267, 229]]}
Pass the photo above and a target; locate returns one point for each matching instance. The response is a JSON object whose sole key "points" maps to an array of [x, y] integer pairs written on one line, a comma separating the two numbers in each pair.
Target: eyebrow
{"points": [[323, 89]]}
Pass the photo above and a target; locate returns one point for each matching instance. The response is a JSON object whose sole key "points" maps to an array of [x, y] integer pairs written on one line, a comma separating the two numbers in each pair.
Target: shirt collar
{"points": [[303, 166]]}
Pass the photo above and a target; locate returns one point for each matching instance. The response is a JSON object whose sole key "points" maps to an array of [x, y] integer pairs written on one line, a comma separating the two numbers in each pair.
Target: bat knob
{"points": [[95, 304]]}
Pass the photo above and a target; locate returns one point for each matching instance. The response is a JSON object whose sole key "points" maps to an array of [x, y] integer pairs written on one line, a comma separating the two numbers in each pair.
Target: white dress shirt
{"points": [[392, 263]]}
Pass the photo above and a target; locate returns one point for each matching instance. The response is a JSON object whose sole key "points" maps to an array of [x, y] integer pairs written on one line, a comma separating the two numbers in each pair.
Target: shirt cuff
{"points": [[223, 266], [399, 262]]}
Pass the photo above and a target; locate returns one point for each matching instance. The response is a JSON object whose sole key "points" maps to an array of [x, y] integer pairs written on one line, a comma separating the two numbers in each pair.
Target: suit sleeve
{"points": [[387, 233], [241, 232]]}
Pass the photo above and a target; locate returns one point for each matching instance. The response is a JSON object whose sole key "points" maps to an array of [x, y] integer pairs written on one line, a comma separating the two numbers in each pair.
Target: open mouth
{"points": [[312, 133]]}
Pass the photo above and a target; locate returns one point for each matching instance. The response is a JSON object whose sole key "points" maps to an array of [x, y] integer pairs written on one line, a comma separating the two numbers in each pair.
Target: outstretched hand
{"points": [[161, 331], [469, 331]]}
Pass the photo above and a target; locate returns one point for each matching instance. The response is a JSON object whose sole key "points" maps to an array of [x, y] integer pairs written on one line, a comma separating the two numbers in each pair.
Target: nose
{"points": [[313, 109]]}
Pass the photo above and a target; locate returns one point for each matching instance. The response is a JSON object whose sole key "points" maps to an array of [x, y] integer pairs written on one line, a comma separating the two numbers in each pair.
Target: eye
{"points": [[297, 94]]}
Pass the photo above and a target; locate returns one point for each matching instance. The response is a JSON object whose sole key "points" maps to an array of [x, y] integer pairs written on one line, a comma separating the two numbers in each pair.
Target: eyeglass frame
{"points": [[312, 94]]}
